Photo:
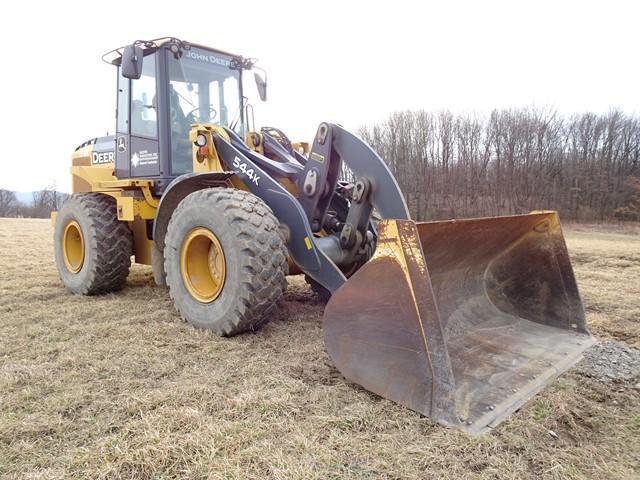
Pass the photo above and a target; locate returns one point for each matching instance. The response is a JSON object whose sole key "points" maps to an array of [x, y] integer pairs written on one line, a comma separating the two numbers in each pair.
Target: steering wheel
{"points": [[191, 116]]}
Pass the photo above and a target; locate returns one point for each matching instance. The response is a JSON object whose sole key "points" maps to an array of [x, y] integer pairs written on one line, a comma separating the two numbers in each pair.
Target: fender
{"points": [[179, 188]]}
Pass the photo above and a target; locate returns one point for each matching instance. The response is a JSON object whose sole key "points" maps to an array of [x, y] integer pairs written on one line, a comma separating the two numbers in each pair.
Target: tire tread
{"points": [[265, 259], [112, 241]]}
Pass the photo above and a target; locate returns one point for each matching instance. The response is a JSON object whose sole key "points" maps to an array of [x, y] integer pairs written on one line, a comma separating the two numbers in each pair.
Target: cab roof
{"points": [[114, 57]]}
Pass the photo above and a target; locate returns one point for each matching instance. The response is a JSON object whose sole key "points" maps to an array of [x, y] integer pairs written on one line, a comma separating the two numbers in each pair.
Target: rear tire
{"points": [[249, 280], [103, 245]]}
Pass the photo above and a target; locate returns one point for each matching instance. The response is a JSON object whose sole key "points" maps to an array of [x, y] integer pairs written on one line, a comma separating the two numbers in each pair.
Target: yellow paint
{"points": [[255, 146], [130, 183], [211, 161], [73, 247], [125, 208], [202, 265], [82, 156], [129, 207], [144, 210], [97, 178], [146, 192], [237, 183], [290, 186], [298, 146], [87, 178], [391, 245]]}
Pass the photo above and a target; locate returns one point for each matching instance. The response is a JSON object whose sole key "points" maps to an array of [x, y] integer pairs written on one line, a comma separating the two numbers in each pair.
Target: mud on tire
{"points": [[255, 258], [107, 242]]}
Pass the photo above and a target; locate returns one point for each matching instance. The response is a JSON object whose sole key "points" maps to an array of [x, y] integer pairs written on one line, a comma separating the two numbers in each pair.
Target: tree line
{"points": [[42, 204], [586, 166]]}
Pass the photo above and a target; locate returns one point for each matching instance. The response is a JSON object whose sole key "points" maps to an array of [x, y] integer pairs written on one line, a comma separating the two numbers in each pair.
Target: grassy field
{"points": [[118, 386]]}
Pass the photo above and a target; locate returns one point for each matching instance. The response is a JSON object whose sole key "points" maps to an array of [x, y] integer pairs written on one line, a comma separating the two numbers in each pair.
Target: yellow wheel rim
{"points": [[202, 265], [73, 247]]}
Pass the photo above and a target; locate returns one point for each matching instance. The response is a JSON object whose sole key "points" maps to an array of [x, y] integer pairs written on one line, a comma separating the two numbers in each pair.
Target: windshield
{"points": [[202, 89]]}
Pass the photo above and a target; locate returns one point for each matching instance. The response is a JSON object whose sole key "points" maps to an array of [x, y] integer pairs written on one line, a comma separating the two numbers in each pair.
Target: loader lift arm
{"points": [[320, 257], [311, 259], [335, 144]]}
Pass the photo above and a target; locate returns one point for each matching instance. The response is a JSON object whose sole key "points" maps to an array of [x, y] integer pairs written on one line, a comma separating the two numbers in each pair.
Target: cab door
{"points": [[137, 152], [123, 157]]}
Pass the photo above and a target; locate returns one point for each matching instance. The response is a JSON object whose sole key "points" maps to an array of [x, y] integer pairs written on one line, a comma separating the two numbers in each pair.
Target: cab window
{"points": [[123, 103], [144, 118], [203, 88]]}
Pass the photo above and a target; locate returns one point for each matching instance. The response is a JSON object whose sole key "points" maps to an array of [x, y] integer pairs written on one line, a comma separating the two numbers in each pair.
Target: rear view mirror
{"points": [[261, 84], [132, 62]]}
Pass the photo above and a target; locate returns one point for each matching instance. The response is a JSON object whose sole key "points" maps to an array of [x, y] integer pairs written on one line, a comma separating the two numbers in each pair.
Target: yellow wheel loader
{"points": [[461, 320]]}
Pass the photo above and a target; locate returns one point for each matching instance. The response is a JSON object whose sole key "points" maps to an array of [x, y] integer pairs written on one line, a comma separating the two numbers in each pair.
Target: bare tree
{"points": [[45, 201], [8, 203], [512, 161]]}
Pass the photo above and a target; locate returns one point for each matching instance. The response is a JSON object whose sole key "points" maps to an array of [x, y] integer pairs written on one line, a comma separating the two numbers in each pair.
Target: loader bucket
{"points": [[461, 320]]}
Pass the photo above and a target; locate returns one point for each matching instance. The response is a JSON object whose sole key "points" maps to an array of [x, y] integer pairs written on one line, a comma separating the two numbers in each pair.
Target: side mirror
{"points": [[131, 63], [261, 84]]}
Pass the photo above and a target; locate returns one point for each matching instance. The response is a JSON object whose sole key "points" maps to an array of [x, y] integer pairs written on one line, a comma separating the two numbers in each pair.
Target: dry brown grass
{"points": [[119, 387], [608, 270]]}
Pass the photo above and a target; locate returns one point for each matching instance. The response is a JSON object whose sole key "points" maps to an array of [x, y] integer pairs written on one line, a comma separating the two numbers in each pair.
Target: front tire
{"points": [[92, 247], [225, 260]]}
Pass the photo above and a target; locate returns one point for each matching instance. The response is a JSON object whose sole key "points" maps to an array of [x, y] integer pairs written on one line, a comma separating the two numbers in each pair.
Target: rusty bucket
{"points": [[461, 320]]}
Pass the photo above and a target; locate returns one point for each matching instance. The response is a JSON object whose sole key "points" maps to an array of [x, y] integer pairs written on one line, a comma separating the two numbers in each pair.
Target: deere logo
{"points": [[102, 157], [207, 58]]}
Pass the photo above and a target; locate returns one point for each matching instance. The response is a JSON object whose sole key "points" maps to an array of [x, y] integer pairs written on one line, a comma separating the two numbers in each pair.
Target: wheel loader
{"points": [[462, 321]]}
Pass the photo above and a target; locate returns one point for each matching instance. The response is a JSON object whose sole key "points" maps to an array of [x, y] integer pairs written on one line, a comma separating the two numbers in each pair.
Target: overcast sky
{"points": [[346, 62]]}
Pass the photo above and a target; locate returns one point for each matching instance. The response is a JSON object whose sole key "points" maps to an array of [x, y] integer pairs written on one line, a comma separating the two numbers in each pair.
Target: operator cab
{"points": [[164, 86]]}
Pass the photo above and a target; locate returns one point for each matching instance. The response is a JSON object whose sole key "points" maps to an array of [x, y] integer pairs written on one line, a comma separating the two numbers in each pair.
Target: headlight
{"points": [[201, 140]]}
